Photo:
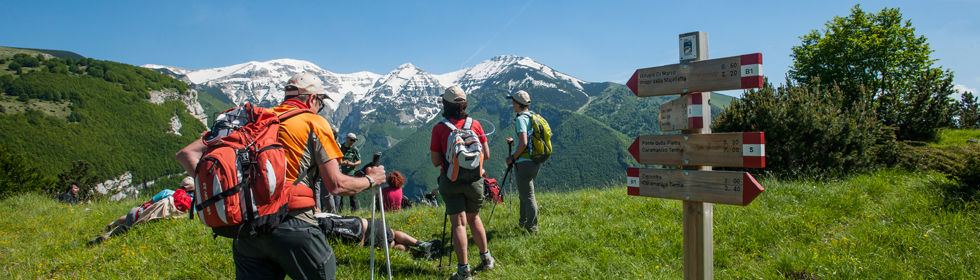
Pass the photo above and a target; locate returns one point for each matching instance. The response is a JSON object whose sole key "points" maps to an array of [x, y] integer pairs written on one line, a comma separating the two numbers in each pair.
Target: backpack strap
{"points": [[293, 113], [468, 123], [449, 124]]}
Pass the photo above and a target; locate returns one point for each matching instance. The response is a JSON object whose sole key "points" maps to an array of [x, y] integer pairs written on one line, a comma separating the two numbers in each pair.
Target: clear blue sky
{"points": [[592, 40]]}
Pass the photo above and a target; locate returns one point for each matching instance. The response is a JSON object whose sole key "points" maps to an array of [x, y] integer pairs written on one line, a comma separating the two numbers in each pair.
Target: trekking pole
{"points": [[443, 237], [510, 151], [384, 231], [374, 229]]}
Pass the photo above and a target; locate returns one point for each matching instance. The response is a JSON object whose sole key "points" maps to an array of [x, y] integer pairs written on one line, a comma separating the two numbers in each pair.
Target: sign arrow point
{"points": [[634, 149], [750, 188], [633, 83]]}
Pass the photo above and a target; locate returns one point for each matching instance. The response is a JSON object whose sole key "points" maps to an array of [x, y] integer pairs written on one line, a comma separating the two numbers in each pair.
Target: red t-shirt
{"points": [[440, 135], [393, 198]]}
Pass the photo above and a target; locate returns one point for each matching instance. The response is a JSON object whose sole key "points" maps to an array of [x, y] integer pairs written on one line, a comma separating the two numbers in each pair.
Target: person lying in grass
{"points": [[353, 229], [165, 204]]}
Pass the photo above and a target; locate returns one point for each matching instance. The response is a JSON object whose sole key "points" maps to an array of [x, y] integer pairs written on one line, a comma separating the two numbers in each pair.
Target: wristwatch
{"points": [[370, 181]]}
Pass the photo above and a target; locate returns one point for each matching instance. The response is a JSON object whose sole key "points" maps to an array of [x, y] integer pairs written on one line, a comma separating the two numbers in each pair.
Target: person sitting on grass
{"points": [[71, 195], [353, 229], [165, 204], [393, 192]]}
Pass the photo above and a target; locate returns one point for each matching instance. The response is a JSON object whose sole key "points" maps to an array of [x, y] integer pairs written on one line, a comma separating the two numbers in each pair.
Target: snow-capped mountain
{"points": [[493, 69], [262, 82], [406, 97]]}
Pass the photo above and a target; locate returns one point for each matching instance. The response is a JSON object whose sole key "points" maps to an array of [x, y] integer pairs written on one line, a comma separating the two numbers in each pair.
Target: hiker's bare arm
{"points": [[188, 156], [436, 159], [486, 151], [356, 163], [343, 185], [521, 145]]}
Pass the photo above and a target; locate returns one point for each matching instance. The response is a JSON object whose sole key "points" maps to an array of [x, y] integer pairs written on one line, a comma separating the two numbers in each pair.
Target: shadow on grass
{"points": [[960, 196], [432, 271]]}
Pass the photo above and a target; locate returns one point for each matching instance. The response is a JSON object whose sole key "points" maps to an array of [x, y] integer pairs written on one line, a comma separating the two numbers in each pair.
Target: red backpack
{"points": [[241, 178], [491, 190]]}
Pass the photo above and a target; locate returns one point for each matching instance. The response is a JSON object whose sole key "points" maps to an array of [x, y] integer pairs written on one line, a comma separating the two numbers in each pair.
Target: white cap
{"points": [[521, 97], [308, 82], [454, 94], [351, 136]]}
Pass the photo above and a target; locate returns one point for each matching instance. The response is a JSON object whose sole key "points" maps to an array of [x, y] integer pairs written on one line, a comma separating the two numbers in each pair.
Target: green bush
{"points": [[808, 131], [17, 175], [912, 155], [968, 176]]}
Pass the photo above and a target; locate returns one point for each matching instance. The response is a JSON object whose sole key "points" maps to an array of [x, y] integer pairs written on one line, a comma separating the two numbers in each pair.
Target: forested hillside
{"points": [[54, 112]]}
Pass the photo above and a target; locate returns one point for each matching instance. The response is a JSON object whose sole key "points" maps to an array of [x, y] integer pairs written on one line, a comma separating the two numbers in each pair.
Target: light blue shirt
{"points": [[523, 124], [163, 195]]}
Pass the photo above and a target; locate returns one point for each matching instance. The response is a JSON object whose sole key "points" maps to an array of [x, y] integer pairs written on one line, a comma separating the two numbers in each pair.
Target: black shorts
{"points": [[378, 237], [349, 228]]}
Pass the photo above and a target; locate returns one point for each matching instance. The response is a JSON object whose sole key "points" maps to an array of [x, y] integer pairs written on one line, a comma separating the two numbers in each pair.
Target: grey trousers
{"points": [[525, 173]]}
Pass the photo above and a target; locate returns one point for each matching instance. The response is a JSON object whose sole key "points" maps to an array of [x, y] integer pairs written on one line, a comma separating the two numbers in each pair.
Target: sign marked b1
{"points": [[725, 187], [736, 72], [738, 149]]}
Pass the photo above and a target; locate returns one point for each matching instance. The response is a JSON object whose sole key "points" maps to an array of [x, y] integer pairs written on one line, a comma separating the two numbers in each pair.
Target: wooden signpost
{"points": [[696, 149], [725, 187], [736, 72], [740, 149], [687, 112]]}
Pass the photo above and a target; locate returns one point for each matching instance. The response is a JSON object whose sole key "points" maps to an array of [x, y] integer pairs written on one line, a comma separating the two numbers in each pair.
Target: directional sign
{"points": [[736, 72], [739, 149], [725, 187], [687, 112]]}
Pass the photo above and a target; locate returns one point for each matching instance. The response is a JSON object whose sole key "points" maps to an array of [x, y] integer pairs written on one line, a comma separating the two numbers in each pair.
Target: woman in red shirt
{"points": [[393, 192]]}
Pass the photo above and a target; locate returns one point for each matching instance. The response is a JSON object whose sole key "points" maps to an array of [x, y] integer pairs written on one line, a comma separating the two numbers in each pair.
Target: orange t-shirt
{"points": [[307, 141]]}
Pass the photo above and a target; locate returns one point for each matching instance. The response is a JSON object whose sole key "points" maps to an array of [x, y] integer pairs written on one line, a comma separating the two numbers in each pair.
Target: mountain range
{"points": [[593, 122]]}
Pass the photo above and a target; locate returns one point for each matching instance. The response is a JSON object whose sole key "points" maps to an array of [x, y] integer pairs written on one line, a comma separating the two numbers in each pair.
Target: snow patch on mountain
{"points": [[474, 77]]}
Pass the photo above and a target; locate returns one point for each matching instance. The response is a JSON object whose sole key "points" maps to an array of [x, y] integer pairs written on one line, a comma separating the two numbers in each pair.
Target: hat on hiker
{"points": [[305, 81], [352, 136], [454, 94], [521, 97], [187, 183]]}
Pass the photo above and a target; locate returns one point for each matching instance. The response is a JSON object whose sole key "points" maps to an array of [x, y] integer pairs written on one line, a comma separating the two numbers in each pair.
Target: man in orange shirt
{"points": [[297, 247]]}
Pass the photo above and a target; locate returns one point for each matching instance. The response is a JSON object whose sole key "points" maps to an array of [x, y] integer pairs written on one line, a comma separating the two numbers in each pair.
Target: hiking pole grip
{"points": [[374, 162]]}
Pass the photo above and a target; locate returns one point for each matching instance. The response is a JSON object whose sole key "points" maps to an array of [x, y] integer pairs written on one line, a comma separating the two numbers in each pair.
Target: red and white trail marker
{"points": [[692, 111], [736, 72], [725, 187], [738, 149]]}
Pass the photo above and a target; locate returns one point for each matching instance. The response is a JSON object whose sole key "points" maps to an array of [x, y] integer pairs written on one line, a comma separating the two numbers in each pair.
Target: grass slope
{"points": [[886, 225]]}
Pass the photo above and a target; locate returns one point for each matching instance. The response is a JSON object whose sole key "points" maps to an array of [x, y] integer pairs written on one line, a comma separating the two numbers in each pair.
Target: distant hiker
{"points": [[393, 192], [296, 246], [525, 170], [354, 229], [460, 195], [431, 198], [348, 165], [165, 204], [71, 195]]}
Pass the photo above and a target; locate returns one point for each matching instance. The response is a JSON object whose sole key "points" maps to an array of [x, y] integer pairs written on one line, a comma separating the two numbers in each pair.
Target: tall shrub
{"points": [[879, 53], [808, 130]]}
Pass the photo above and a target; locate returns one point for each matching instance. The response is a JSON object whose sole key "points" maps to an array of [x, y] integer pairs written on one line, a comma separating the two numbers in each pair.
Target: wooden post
{"points": [[696, 149], [698, 237]]}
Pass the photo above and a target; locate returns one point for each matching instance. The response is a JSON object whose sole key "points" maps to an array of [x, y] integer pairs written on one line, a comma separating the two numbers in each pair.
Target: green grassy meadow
{"points": [[886, 225]]}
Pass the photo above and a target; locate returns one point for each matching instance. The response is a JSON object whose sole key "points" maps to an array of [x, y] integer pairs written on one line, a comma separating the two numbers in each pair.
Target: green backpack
{"points": [[539, 141]]}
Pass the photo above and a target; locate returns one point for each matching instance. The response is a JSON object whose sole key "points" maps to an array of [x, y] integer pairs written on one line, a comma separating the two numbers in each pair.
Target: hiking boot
{"points": [[427, 249], [461, 275], [97, 240], [486, 262]]}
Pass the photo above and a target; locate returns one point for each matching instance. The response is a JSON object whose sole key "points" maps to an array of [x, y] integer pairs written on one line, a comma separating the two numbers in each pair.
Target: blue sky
{"points": [[593, 40]]}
